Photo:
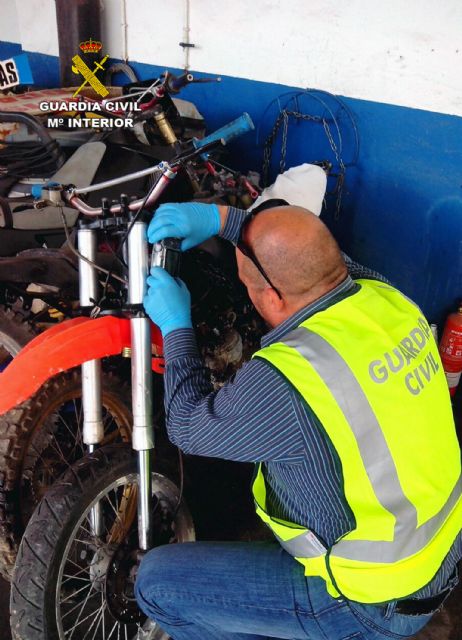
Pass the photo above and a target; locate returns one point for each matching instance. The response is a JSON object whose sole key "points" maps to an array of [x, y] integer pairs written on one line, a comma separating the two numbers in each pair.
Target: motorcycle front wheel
{"points": [[69, 582], [40, 439]]}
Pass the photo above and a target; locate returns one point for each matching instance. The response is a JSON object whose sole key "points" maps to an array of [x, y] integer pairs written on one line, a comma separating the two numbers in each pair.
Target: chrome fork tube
{"points": [[93, 431], [143, 430]]}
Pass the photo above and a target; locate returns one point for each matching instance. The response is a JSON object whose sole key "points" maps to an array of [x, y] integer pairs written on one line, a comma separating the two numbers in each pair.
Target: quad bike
{"points": [[110, 507]]}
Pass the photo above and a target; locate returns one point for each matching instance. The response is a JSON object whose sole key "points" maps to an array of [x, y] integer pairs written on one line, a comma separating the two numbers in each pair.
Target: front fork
{"points": [[141, 353], [140, 328], [93, 430]]}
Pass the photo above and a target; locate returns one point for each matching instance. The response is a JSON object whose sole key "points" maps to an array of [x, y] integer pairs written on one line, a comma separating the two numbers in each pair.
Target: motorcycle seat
{"points": [[22, 216]]}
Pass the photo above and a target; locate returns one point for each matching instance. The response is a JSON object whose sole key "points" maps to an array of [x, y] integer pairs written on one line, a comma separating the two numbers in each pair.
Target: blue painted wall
{"points": [[45, 69], [402, 202]]}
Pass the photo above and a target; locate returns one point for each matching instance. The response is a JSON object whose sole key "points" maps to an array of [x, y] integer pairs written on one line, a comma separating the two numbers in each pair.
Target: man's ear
{"points": [[276, 303]]}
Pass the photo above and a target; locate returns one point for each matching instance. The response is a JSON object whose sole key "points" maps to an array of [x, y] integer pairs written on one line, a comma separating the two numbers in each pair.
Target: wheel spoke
{"points": [[90, 564], [88, 543], [78, 617], [79, 604], [94, 621], [76, 413], [103, 607], [64, 422], [87, 531], [72, 433], [116, 623], [80, 420], [116, 507], [102, 617], [117, 515], [65, 575], [42, 459], [74, 594], [54, 444]]}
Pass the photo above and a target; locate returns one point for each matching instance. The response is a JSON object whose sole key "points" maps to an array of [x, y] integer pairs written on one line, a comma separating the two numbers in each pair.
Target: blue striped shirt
{"points": [[258, 417]]}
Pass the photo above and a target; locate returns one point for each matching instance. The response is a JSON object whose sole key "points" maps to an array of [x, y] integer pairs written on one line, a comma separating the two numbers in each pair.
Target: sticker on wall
{"points": [[15, 71]]}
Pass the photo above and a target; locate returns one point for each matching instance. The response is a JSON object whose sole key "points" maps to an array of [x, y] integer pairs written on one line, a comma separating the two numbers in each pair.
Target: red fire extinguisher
{"points": [[451, 349]]}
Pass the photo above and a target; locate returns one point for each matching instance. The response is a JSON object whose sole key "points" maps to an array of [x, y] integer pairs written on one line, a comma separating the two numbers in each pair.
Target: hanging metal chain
{"points": [[341, 176], [283, 119]]}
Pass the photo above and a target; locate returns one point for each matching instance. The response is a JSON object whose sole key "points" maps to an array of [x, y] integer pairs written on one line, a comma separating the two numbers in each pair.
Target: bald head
{"points": [[297, 251]]}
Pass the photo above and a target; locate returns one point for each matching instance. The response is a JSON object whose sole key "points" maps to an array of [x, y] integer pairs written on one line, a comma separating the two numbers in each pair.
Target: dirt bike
{"points": [[42, 436], [116, 508]]}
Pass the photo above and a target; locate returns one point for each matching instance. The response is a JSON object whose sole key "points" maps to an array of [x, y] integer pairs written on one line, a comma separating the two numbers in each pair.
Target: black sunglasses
{"points": [[246, 250]]}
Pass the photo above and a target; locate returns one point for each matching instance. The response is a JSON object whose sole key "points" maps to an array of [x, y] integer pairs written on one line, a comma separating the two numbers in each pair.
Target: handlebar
{"points": [[232, 130], [175, 83], [168, 172], [201, 147], [74, 201]]}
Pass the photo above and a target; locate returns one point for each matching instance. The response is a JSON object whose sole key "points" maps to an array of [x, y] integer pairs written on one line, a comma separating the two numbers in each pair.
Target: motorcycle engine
{"points": [[228, 328]]}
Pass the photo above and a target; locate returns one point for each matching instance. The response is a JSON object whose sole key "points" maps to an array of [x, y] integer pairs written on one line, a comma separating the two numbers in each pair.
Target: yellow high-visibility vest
{"points": [[369, 368]]}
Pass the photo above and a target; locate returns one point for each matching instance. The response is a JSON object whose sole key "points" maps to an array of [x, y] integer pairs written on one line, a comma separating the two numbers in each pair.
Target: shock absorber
{"points": [[91, 371], [93, 430], [170, 138], [143, 428]]}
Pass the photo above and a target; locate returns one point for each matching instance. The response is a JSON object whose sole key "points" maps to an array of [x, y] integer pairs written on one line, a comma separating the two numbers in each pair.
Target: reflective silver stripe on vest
{"points": [[407, 541], [376, 456], [306, 545]]}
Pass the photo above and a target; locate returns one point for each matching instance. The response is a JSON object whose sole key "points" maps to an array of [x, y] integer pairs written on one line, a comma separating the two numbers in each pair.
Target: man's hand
{"points": [[192, 221], [167, 302]]}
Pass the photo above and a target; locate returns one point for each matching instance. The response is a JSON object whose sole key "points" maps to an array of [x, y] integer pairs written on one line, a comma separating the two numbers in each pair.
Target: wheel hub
{"points": [[99, 566], [120, 585], [124, 563]]}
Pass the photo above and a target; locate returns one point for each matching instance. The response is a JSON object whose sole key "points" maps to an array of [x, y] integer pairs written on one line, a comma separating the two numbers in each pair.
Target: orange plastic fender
{"points": [[66, 345]]}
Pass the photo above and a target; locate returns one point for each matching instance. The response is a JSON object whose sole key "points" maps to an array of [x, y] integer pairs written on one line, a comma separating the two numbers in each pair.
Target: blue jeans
{"points": [[253, 591]]}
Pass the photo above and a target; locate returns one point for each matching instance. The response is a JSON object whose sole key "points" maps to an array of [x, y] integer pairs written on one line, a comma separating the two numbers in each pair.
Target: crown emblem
{"points": [[90, 46]]}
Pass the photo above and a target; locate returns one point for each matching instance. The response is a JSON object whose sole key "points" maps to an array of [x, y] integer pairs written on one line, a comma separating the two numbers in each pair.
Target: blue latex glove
{"points": [[193, 221], [167, 302]]}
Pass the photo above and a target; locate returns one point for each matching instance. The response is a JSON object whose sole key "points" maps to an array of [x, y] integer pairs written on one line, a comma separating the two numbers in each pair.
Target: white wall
{"points": [[32, 23], [37, 26], [9, 26], [404, 53]]}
